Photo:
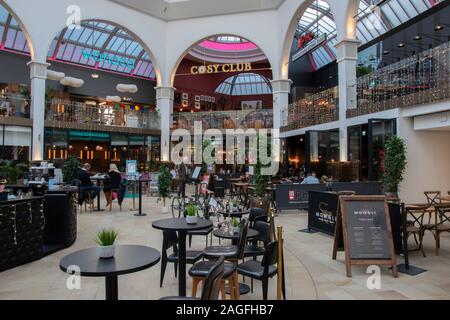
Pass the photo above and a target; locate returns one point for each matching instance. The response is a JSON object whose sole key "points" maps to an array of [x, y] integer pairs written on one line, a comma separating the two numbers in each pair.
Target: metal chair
{"points": [[211, 285], [263, 270], [170, 240]]}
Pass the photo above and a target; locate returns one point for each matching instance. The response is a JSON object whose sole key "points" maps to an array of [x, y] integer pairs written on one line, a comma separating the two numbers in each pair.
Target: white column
{"points": [[38, 76], [281, 90], [164, 103], [347, 57]]}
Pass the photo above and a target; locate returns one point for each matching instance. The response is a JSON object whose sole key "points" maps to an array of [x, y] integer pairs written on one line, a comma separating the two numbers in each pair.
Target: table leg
{"points": [[182, 264], [140, 214], [404, 214], [99, 195], [112, 288]]}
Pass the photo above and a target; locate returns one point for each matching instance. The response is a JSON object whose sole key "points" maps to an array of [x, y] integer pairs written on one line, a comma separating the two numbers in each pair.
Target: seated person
{"points": [[85, 181], [311, 179], [112, 181]]}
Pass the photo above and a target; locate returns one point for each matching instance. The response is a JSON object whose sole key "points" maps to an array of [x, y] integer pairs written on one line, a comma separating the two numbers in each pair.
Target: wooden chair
{"points": [[110, 200], [443, 224], [414, 225]]}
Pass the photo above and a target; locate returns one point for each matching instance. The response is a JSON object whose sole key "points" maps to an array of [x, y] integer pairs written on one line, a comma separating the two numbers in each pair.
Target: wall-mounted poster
{"points": [[251, 105]]}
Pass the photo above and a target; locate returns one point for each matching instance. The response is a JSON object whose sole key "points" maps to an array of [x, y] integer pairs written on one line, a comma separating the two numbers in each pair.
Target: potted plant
{"points": [[235, 225], [261, 182], [164, 186], [71, 168], [106, 243], [191, 214], [234, 206], [394, 165], [10, 171]]}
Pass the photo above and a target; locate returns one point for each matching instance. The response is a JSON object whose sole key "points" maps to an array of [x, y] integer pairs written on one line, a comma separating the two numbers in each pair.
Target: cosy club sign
{"points": [[222, 68]]}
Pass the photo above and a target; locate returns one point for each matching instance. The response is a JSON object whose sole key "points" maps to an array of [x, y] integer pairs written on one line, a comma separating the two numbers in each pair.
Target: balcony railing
{"points": [[14, 106], [72, 113], [322, 107], [222, 120], [419, 79]]}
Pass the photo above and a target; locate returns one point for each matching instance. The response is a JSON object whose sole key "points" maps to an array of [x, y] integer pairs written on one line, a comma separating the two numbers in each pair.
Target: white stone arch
{"points": [[45, 18], [344, 12], [23, 27], [135, 38], [186, 51]]}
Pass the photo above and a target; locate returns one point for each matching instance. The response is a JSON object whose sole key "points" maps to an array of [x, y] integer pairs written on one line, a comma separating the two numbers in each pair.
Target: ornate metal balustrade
{"points": [[322, 107], [222, 120], [420, 79]]}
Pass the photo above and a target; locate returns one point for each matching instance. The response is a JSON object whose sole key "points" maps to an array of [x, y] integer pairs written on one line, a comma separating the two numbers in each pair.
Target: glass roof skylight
{"points": [[245, 84], [96, 44], [373, 21]]}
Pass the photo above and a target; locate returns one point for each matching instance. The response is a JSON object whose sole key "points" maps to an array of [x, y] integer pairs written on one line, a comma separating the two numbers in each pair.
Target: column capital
{"points": [[165, 92], [38, 69], [347, 49], [281, 86]]}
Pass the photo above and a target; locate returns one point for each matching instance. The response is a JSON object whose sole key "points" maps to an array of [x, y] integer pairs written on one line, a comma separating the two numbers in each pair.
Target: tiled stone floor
{"points": [[310, 271]]}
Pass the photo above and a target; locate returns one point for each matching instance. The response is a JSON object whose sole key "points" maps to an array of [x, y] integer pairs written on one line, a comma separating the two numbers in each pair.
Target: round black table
{"points": [[127, 259], [182, 227], [252, 233], [140, 182], [237, 214], [99, 180]]}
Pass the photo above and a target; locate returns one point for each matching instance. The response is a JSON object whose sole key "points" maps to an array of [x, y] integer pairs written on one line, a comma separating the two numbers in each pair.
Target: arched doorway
{"points": [[101, 103]]}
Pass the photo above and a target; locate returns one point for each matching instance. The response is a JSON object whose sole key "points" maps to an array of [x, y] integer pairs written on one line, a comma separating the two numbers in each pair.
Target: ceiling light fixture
{"points": [[438, 28], [417, 38], [401, 45], [95, 76], [385, 52]]}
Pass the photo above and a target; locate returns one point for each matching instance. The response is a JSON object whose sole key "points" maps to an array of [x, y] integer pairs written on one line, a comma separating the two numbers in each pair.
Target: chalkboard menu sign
{"points": [[322, 211], [364, 223]]}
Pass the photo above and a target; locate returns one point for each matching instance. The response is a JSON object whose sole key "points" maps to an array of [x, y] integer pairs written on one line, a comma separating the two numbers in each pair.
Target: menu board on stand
{"points": [[363, 232]]}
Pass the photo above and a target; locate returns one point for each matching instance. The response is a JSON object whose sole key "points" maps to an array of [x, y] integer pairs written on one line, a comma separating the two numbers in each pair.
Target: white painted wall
{"points": [[428, 161]]}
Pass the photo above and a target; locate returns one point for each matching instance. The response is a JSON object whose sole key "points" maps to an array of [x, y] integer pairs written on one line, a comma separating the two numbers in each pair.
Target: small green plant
{"points": [[191, 210], [11, 171], [235, 223], [164, 184], [106, 238], [394, 163]]}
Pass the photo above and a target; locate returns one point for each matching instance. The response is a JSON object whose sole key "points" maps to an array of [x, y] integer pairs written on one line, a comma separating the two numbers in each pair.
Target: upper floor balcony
{"points": [[78, 115], [222, 120], [14, 106], [321, 107], [420, 79]]}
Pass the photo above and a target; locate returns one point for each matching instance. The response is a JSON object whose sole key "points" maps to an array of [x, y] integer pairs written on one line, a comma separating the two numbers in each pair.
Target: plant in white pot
{"points": [[105, 240], [191, 214], [235, 225], [164, 186], [234, 206]]}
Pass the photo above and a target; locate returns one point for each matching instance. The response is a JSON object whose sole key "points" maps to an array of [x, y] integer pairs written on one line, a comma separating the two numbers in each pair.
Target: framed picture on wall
{"points": [[185, 103], [214, 99], [185, 96], [202, 98], [251, 105], [197, 98], [198, 105]]}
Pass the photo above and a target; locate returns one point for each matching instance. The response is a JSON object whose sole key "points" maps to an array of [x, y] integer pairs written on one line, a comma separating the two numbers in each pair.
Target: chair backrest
{"points": [[433, 197], [255, 214], [213, 281], [170, 239], [270, 256], [242, 241], [264, 231]]}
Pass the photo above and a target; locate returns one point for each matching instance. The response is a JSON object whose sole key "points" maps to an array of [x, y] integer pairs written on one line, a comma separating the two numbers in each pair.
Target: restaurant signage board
{"points": [[222, 68], [290, 196], [364, 224], [322, 211]]}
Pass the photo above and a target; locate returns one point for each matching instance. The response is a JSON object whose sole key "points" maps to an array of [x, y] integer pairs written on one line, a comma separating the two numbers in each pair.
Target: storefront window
{"points": [[119, 150], [137, 151], [153, 145], [16, 143]]}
